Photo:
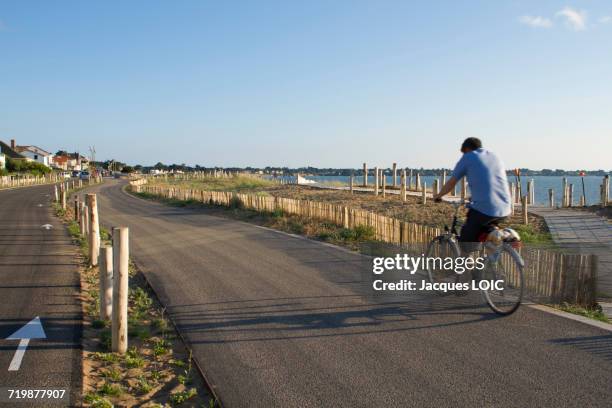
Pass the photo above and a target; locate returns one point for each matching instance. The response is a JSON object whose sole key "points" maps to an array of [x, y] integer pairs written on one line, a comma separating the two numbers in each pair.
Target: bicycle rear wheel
{"points": [[441, 247], [508, 268]]}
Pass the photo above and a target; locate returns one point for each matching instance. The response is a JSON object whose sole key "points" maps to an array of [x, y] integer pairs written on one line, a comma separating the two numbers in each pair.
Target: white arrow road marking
{"points": [[47, 226], [32, 330], [21, 349]]}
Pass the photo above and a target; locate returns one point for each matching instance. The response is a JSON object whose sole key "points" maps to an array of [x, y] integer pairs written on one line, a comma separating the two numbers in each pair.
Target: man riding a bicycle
{"points": [[490, 195]]}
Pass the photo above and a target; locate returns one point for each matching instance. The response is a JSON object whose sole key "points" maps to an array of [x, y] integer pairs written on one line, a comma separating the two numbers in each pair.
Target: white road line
{"points": [[21, 349]]}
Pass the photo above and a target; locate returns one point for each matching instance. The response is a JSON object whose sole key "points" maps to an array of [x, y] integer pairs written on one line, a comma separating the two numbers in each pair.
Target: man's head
{"points": [[470, 144]]}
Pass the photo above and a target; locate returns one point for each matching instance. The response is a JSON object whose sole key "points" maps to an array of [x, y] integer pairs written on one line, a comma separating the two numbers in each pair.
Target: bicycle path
{"points": [[280, 321], [584, 232]]}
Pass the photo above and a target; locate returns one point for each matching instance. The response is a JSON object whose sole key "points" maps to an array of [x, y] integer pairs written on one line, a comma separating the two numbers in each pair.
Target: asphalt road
{"points": [[38, 277], [280, 321]]}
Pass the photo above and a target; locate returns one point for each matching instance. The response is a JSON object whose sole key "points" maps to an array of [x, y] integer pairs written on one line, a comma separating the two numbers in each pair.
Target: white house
{"points": [[35, 153], [2, 161]]}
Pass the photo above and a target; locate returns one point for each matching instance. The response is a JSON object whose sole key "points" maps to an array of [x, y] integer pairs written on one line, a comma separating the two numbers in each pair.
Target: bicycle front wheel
{"points": [[441, 247], [505, 275]]}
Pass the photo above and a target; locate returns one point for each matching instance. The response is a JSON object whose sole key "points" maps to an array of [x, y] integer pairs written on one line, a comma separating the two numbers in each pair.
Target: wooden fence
{"points": [[551, 276], [27, 180]]}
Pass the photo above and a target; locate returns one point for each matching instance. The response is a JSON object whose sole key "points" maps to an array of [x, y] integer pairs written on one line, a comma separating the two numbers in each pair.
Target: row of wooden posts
{"points": [[28, 180], [113, 263], [61, 190], [567, 196], [557, 276]]}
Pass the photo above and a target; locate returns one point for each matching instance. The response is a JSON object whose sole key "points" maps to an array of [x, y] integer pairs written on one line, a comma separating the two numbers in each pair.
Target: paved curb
{"points": [[571, 316]]}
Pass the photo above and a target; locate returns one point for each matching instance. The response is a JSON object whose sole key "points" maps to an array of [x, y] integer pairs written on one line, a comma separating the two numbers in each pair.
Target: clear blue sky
{"points": [[322, 83]]}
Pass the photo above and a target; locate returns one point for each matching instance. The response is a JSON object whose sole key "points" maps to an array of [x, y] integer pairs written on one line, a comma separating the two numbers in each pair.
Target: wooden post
{"points": [[524, 210], [564, 199], [410, 180], [106, 282], [345, 217], [517, 193], [582, 200], [94, 229], [394, 174], [82, 217], [532, 190], [403, 185], [76, 208], [605, 190], [424, 192], [86, 221], [121, 256], [443, 177], [434, 187], [384, 185], [365, 175], [570, 196], [512, 203], [56, 194], [529, 191], [63, 197], [418, 181], [376, 180], [351, 183], [551, 197]]}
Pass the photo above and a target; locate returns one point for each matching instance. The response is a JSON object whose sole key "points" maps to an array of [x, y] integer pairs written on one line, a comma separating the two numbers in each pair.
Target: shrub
{"points": [[236, 203], [24, 166]]}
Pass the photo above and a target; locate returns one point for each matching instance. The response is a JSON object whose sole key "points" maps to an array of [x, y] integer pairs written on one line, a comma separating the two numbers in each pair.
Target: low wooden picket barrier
{"points": [[550, 276], [27, 180]]}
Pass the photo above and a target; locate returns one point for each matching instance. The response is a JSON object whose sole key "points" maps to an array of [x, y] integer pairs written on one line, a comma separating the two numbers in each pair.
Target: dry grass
{"points": [[432, 214]]}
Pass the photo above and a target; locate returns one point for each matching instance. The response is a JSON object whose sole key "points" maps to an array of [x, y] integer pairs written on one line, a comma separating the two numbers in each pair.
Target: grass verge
{"points": [[157, 370], [595, 313], [315, 229]]}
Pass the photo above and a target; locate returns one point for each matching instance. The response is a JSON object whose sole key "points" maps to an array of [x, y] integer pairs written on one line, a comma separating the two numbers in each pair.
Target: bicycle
{"points": [[501, 262]]}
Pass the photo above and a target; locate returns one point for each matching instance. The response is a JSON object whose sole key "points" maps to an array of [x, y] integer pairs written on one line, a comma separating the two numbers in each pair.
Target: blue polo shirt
{"points": [[486, 176]]}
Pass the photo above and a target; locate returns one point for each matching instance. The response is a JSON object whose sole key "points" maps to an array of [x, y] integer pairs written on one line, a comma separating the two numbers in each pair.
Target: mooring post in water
{"points": [[530, 194], [570, 195], [394, 174], [524, 209], [365, 175], [551, 197]]}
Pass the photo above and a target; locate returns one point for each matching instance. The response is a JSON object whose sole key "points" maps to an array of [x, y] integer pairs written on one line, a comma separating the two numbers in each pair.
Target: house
{"points": [[34, 153], [2, 161], [70, 161], [9, 151]]}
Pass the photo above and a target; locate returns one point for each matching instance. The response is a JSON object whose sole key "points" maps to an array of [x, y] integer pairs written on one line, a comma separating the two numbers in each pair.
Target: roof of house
{"points": [[10, 153], [62, 159], [33, 149]]}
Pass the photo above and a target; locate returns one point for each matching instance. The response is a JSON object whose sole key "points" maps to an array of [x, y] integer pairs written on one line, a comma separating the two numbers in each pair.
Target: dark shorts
{"points": [[475, 224]]}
